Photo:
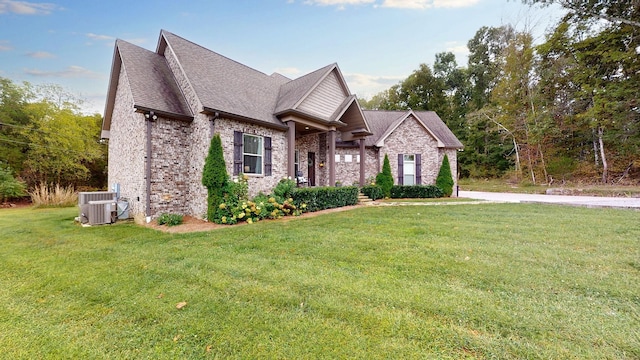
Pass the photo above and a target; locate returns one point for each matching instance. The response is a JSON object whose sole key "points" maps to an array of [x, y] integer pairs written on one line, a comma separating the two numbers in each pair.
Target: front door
{"points": [[311, 169]]}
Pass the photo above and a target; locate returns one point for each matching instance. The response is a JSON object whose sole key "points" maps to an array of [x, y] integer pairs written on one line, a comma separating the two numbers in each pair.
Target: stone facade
{"points": [[169, 167], [403, 140], [127, 145], [257, 183]]}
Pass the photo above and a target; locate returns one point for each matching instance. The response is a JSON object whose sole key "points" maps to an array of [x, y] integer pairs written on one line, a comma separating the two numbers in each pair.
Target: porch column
{"points": [[362, 162], [332, 157], [291, 149]]}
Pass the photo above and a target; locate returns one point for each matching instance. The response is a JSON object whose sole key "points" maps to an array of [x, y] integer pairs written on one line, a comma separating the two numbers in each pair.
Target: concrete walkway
{"points": [[587, 201]]}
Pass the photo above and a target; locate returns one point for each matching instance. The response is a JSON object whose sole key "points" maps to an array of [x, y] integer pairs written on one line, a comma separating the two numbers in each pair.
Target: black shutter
{"points": [[400, 169], [237, 152], [267, 156], [418, 169]]}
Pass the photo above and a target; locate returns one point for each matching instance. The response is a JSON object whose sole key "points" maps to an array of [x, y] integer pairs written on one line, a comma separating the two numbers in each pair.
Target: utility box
{"points": [[98, 212], [123, 210]]}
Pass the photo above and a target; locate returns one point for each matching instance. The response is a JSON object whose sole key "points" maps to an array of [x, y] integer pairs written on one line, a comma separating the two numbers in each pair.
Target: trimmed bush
{"points": [[322, 198], [373, 192], [415, 192], [445, 180], [214, 176], [385, 178]]}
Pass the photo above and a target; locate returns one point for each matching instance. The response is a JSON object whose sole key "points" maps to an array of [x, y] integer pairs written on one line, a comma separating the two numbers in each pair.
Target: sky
{"points": [[376, 43]]}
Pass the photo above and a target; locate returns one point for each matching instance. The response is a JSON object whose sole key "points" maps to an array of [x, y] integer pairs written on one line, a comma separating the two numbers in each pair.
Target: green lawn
{"points": [[503, 281]]}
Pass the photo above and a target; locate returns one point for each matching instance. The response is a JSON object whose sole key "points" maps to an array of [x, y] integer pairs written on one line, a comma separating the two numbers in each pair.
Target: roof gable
{"points": [[225, 85], [151, 82], [384, 123]]}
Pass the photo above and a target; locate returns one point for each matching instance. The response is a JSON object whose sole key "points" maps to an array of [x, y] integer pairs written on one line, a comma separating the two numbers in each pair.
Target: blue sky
{"points": [[376, 43]]}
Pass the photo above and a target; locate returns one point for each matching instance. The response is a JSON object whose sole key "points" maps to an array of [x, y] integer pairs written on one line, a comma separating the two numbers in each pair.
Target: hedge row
{"points": [[321, 198], [415, 192], [375, 192]]}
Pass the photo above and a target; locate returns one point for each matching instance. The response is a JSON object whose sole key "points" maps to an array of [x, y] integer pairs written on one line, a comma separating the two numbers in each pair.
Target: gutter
{"points": [[150, 117]]}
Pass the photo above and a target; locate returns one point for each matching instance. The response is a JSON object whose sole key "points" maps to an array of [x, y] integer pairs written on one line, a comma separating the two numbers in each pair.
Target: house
{"points": [[164, 107]]}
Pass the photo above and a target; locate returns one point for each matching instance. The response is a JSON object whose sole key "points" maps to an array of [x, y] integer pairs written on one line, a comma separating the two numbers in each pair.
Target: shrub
{"points": [[10, 187], [284, 189], [170, 219], [214, 176], [373, 192], [50, 196], [385, 178], [415, 192], [444, 180], [321, 198]]}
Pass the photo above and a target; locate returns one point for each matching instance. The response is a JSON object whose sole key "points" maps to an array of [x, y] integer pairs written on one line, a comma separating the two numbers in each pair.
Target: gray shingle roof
{"points": [[382, 122], [152, 83], [226, 85]]}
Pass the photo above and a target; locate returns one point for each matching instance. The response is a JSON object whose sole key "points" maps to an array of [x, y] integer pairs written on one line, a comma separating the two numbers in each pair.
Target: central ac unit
{"points": [[98, 212]]}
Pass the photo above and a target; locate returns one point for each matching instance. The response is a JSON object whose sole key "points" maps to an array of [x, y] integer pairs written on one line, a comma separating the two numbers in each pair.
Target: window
{"points": [[357, 158], [252, 154], [337, 158], [296, 162], [348, 158], [409, 175]]}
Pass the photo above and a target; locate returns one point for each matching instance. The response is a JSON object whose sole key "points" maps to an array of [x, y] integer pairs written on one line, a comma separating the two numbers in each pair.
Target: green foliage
{"points": [[416, 192], [10, 187], [445, 180], [47, 139], [373, 192], [284, 189], [215, 177], [321, 198], [236, 207], [385, 178], [170, 219]]}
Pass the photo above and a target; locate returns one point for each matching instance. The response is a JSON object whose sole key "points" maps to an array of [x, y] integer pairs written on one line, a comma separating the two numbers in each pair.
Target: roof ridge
{"points": [[217, 53]]}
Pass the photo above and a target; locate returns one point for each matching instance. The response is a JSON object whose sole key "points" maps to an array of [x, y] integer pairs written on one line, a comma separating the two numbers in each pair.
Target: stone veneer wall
{"points": [[257, 183], [198, 139], [127, 143], [403, 140], [305, 145], [169, 167]]}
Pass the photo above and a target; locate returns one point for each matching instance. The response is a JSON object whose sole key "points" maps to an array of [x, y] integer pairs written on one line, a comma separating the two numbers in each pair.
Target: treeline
{"points": [[567, 109], [45, 138]]}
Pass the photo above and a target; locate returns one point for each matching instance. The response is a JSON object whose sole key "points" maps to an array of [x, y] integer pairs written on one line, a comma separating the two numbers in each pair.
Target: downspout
{"points": [[150, 116]]}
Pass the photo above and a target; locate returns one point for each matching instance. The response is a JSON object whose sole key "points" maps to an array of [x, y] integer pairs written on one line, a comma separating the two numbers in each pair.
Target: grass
{"points": [[499, 185], [506, 281]]}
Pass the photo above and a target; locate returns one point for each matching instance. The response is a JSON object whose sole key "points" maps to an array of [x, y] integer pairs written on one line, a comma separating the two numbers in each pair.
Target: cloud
{"points": [[40, 55], [25, 8], [426, 4], [458, 49], [100, 37], [4, 46], [339, 3], [365, 86], [70, 72], [290, 72]]}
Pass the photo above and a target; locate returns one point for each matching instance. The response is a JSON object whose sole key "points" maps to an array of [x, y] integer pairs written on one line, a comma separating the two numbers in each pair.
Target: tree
{"points": [[385, 178], [9, 186], [13, 117], [445, 180], [214, 176]]}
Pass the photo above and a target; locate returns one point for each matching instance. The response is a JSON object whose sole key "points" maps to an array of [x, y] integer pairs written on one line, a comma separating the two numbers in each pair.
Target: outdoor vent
{"points": [[85, 197], [98, 212]]}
